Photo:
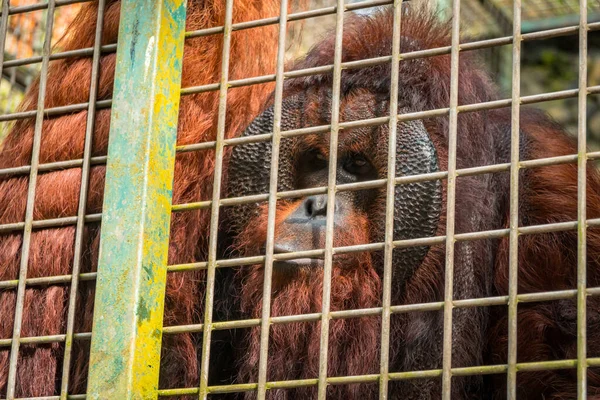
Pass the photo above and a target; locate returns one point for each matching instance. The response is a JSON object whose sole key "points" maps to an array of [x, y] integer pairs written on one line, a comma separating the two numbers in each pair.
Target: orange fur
{"points": [[57, 193], [294, 347]]}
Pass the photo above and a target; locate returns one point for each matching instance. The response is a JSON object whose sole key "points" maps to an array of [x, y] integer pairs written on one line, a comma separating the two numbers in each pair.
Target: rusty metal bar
{"points": [[214, 212], [331, 189], [272, 205], [390, 206], [3, 29], [474, 171], [450, 205], [235, 262], [582, 207], [40, 6], [291, 17], [87, 52], [346, 380], [344, 314], [513, 263], [469, 46]]}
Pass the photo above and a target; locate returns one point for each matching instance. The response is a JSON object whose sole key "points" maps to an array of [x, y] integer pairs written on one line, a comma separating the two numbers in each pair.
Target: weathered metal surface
{"points": [[128, 315]]}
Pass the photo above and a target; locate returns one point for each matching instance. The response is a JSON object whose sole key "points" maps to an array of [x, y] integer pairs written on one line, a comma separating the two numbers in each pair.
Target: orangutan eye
{"points": [[320, 156], [358, 165], [360, 162]]}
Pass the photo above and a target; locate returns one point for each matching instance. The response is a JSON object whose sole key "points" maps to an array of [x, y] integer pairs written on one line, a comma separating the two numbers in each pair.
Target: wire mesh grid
{"points": [[512, 299], [216, 203]]}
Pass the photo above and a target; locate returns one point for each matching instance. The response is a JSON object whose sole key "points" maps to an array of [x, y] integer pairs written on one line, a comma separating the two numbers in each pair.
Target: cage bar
{"points": [[272, 205], [582, 207], [3, 30], [450, 205], [513, 263], [331, 189], [388, 254], [467, 46], [41, 6], [128, 314], [214, 212]]}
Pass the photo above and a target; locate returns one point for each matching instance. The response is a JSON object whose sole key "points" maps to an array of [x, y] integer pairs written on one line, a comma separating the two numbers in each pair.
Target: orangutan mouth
{"points": [[299, 263], [296, 263]]}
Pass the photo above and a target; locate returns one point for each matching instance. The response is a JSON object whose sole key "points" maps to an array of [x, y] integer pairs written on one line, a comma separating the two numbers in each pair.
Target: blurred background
{"points": [[546, 66]]}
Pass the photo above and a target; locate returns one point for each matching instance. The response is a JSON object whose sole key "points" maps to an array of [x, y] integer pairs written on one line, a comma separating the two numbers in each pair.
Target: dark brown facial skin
{"points": [[546, 331], [304, 226]]}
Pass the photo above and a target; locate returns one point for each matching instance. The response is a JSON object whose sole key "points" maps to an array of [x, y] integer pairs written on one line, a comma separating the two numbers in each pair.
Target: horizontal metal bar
{"points": [[64, 221], [344, 314], [291, 17], [53, 166], [69, 397], [476, 45], [372, 184], [372, 378], [111, 48], [564, 94], [376, 311], [46, 339], [366, 4], [554, 227], [469, 46], [48, 280], [532, 99], [41, 6], [54, 111], [86, 52], [428, 241], [49, 223]]}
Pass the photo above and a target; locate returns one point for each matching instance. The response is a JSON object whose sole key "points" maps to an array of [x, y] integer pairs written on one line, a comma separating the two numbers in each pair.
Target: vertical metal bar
{"points": [[35, 160], [451, 200], [513, 262], [581, 206], [331, 188], [214, 211], [272, 206], [83, 192], [389, 206], [3, 30], [130, 288]]}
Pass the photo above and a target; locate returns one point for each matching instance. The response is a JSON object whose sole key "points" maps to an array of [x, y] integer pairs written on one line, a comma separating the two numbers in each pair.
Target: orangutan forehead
{"points": [[354, 106]]}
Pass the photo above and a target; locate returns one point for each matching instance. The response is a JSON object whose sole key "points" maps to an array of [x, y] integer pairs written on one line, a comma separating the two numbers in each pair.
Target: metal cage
{"points": [[132, 269]]}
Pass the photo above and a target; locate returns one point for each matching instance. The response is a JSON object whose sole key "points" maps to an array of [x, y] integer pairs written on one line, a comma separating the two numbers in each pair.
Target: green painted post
{"points": [[128, 315]]}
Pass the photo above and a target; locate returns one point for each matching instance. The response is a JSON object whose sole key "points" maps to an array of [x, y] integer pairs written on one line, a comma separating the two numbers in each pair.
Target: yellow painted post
{"points": [[128, 314]]}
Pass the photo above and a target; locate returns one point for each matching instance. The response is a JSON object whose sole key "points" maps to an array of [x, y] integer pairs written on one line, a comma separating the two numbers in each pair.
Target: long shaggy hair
{"points": [[294, 347]]}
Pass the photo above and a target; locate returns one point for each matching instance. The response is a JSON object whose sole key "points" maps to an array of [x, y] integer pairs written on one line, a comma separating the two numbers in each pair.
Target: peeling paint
{"points": [[148, 58], [127, 329]]}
